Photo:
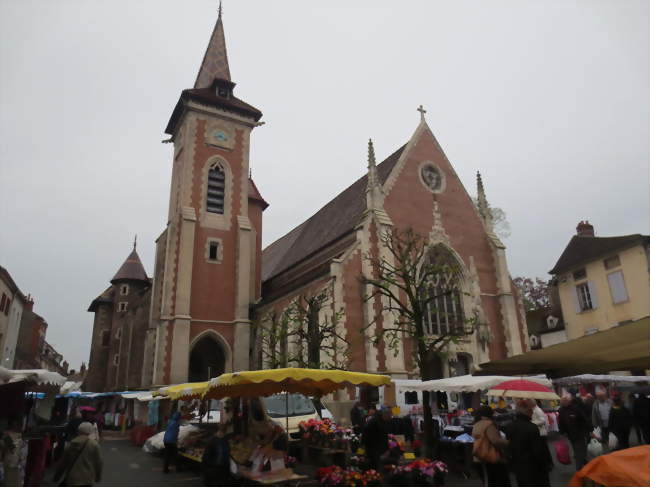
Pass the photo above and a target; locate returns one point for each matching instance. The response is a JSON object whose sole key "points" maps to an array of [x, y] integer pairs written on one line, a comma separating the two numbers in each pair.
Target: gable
{"points": [[334, 220]]}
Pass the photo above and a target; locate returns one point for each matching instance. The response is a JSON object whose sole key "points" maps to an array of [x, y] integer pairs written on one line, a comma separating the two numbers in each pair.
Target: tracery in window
{"points": [[444, 309]]}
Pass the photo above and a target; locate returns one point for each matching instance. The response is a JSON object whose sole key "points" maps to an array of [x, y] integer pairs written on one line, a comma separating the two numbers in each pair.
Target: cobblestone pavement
{"points": [[128, 466]]}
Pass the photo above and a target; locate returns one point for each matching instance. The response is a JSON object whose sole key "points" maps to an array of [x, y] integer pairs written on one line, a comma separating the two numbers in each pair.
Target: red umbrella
{"points": [[522, 388]]}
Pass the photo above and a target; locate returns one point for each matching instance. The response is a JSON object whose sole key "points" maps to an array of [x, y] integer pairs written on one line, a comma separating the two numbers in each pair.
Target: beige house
{"points": [[12, 303], [603, 282]]}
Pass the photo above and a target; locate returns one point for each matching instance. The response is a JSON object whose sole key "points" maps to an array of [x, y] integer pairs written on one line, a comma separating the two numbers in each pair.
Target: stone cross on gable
{"points": [[422, 111]]}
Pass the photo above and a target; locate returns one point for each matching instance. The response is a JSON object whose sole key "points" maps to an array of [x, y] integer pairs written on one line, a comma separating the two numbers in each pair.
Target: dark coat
{"points": [[620, 420], [356, 416], [375, 435], [529, 457], [217, 453], [573, 422], [641, 410]]}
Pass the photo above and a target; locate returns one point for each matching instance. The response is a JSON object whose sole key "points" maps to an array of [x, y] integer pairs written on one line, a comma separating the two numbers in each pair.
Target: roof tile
{"points": [[332, 221]]}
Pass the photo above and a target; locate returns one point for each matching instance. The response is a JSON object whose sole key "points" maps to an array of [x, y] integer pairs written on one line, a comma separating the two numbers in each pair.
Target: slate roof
{"points": [[254, 193], [208, 96], [331, 222], [582, 249], [131, 270], [103, 298]]}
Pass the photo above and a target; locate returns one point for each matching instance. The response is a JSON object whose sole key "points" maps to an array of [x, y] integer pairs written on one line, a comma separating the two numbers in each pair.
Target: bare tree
{"points": [[500, 221], [274, 336], [316, 332], [313, 334], [411, 283]]}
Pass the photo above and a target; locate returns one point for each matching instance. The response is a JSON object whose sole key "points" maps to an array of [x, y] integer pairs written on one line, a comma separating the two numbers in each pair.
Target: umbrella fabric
{"points": [[189, 390], [462, 383], [310, 382], [624, 468], [522, 388]]}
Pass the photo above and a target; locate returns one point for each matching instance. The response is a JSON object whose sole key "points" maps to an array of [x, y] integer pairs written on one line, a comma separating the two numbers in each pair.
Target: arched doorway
{"points": [[207, 359]]}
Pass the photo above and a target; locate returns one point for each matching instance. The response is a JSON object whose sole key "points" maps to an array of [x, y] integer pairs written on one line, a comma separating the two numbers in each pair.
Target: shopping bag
{"points": [[613, 441], [594, 448], [562, 452], [596, 433]]}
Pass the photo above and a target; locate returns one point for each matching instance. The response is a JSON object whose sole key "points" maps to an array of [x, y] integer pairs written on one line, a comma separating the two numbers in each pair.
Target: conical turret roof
{"points": [[131, 270]]}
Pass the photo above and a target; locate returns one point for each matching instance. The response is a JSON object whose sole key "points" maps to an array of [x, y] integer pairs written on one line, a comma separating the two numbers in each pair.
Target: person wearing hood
{"points": [[529, 455], [81, 465], [170, 440]]}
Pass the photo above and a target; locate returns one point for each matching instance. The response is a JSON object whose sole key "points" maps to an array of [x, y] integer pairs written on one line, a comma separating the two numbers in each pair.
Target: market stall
{"points": [[256, 441], [453, 423], [28, 398]]}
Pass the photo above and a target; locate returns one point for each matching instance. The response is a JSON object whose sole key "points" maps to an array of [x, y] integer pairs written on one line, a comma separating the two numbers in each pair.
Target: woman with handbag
{"points": [[81, 465], [487, 449]]}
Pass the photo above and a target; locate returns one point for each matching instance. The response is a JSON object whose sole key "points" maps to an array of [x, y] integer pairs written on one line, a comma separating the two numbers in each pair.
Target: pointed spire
{"points": [[483, 206], [132, 269], [215, 60], [371, 154], [135, 242], [372, 166], [374, 193]]}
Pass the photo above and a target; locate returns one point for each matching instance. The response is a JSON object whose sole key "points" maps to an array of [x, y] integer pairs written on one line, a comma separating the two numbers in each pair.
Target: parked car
{"points": [[295, 407]]}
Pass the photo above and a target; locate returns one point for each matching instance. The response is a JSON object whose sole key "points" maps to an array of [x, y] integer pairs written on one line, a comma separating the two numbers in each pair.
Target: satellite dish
{"points": [[534, 341]]}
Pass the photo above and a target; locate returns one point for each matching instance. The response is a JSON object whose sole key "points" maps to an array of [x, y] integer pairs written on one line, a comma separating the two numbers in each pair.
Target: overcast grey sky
{"points": [[549, 100]]}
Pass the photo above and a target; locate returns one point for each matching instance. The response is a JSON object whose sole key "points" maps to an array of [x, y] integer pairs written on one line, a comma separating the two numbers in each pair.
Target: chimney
{"points": [[585, 229], [29, 304]]}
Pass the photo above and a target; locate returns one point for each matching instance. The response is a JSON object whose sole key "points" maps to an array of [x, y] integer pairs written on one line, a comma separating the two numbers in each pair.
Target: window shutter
{"points": [[576, 301], [617, 287], [592, 294]]}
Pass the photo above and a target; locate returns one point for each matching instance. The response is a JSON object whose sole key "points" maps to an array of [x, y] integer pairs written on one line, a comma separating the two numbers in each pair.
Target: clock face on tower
{"points": [[431, 177], [220, 135]]}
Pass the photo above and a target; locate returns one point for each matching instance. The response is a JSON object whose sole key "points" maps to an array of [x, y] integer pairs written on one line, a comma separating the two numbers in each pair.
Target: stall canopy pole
{"points": [[286, 415]]}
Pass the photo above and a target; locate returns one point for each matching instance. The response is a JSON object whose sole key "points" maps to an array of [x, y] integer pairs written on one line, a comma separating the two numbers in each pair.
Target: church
{"points": [[214, 287]]}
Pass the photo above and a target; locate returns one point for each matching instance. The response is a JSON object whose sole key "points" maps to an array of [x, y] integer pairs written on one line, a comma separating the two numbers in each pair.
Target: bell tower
{"points": [[209, 256]]}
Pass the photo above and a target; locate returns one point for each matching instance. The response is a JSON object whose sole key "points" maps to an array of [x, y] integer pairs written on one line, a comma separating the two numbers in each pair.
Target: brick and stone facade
{"points": [[119, 330], [212, 284], [396, 196]]}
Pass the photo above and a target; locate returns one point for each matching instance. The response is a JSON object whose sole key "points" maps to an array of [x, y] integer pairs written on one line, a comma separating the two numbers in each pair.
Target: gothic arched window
{"points": [[444, 310], [216, 190]]}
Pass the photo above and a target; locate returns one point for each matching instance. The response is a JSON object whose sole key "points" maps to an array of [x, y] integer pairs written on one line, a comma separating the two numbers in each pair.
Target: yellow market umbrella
{"points": [[189, 390], [310, 382]]}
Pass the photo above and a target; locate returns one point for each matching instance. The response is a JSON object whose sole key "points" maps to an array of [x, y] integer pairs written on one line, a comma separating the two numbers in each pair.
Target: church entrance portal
{"points": [[207, 360]]}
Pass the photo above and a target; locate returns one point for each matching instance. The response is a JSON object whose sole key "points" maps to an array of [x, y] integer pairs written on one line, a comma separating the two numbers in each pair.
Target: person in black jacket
{"points": [[375, 437], [620, 423], [357, 416], [529, 456], [641, 415], [216, 460], [574, 424]]}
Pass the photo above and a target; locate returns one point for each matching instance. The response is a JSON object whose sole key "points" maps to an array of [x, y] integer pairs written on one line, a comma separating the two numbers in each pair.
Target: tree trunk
{"points": [[313, 341], [430, 443]]}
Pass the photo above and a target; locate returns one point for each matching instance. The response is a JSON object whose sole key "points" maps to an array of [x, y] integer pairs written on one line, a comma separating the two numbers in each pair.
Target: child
{"points": [[216, 459]]}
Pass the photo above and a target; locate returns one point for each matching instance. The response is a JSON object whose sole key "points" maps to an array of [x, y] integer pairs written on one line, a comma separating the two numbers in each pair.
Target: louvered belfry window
{"points": [[216, 190]]}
